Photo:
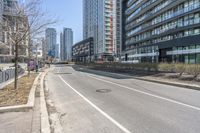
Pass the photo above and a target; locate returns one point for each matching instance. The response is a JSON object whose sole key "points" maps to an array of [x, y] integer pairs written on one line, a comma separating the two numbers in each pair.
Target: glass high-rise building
{"points": [[66, 44], [61, 47], [161, 31], [117, 27], [57, 51], [51, 40], [98, 23], [90, 21]]}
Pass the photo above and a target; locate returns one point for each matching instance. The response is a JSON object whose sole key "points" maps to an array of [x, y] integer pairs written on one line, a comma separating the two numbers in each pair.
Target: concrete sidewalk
{"points": [[21, 122]]}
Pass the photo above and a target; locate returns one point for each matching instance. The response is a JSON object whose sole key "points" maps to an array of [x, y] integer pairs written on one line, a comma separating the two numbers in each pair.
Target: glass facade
{"points": [[159, 23], [67, 42], [187, 54], [51, 39], [98, 23], [83, 51], [117, 27]]}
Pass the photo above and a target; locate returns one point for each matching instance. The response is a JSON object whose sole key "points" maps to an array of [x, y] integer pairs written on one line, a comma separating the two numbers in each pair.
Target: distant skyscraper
{"points": [[44, 49], [50, 35], [61, 47], [90, 21], [66, 42], [98, 23], [57, 51]]}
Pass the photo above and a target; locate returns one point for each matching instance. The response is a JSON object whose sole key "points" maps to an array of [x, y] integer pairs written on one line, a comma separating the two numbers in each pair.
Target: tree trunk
{"points": [[29, 57], [16, 66]]}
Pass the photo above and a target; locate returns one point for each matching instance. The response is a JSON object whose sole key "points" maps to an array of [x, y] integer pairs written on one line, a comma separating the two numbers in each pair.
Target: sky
{"points": [[69, 14]]}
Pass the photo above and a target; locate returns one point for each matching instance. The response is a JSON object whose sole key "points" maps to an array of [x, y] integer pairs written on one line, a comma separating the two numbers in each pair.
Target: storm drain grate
{"points": [[103, 90]]}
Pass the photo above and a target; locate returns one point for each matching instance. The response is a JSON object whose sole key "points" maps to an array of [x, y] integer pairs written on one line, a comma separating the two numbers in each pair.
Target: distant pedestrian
{"points": [[36, 67]]}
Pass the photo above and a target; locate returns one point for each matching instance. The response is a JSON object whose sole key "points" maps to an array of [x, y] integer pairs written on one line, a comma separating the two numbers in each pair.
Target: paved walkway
{"points": [[21, 122]]}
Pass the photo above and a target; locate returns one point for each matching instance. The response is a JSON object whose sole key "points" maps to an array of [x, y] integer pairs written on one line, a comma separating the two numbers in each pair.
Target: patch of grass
{"points": [[166, 67], [180, 68], [9, 96], [193, 69]]}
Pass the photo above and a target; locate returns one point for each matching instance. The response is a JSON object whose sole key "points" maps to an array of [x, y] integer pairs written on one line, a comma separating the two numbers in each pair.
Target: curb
{"points": [[25, 107], [193, 87], [45, 125]]}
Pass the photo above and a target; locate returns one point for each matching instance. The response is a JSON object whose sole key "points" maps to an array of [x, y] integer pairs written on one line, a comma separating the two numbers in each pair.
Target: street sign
{"points": [[51, 53]]}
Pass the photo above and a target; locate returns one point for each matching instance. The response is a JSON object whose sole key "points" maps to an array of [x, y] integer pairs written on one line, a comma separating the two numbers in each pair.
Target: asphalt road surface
{"points": [[91, 101]]}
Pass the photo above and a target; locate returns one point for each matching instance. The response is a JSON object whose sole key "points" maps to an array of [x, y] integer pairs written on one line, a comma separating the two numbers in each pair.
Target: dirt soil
{"points": [[9, 96]]}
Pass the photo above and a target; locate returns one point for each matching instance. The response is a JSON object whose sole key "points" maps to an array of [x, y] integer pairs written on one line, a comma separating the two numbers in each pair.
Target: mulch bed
{"points": [[9, 96]]}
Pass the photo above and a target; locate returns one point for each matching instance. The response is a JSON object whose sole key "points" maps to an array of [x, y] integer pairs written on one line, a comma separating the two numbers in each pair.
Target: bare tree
{"points": [[21, 22]]}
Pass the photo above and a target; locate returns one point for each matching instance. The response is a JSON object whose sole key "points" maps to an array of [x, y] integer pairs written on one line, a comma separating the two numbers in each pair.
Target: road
{"points": [[91, 101]]}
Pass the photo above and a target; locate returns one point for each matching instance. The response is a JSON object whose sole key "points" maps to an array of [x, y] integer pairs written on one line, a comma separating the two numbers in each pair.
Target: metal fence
{"points": [[9, 74]]}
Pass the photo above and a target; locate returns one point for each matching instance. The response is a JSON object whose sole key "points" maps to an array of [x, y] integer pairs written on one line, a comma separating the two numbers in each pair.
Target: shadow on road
{"points": [[112, 73]]}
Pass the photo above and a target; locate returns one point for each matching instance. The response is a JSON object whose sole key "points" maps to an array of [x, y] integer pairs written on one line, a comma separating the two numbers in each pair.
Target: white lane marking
{"points": [[98, 109], [149, 94]]}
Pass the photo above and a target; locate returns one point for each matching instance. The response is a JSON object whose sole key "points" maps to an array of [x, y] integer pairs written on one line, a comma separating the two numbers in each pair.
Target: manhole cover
{"points": [[103, 90]]}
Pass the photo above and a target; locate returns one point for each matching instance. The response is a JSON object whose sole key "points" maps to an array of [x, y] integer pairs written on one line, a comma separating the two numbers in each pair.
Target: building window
{"points": [[198, 58], [192, 59]]}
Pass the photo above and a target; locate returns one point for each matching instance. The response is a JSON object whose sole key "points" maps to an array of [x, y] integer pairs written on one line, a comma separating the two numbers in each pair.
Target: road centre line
{"points": [[97, 108], [149, 94]]}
